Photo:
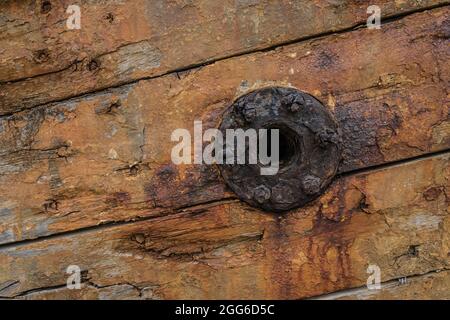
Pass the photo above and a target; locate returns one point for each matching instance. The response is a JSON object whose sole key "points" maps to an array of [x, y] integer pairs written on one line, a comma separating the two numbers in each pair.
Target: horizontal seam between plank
{"points": [[392, 283], [131, 220]]}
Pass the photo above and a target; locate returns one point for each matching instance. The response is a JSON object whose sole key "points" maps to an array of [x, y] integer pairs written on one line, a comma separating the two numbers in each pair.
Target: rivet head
{"points": [[293, 102], [327, 136], [309, 148], [311, 184], [261, 194]]}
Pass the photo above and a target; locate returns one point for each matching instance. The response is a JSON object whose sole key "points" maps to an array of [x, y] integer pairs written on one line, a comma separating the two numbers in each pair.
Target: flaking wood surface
{"points": [[106, 157], [433, 285], [121, 41], [95, 171], [228, 250]]}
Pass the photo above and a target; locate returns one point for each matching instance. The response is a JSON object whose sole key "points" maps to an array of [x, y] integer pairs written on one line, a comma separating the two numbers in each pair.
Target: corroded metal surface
{"points": [[309, 148]]}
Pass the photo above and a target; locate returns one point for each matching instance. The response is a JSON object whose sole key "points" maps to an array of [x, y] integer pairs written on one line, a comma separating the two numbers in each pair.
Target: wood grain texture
{"points": [[105, 158], [431, 286], [396, 217], [88, 181], [122, 41]]}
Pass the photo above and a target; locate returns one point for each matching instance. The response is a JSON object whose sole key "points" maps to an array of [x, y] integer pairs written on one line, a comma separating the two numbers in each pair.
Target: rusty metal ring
{"points": [[310, 148]]}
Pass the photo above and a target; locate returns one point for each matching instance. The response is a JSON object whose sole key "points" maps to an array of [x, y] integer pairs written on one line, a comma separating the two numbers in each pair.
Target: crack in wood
{"points": [[193, 66]]}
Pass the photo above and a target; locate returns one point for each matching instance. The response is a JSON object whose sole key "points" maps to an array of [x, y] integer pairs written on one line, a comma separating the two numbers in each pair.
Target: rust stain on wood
{"points": [[89, 181]]}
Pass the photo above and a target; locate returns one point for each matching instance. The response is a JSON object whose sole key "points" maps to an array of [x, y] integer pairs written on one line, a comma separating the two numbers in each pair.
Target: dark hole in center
{"points": [[46, 6], [288, 145]]}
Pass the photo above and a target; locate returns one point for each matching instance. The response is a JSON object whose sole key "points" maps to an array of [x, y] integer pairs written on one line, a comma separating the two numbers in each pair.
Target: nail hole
{"points": [[110, 17], [46, 6], [51, 204], [363, 206], [134, 169], [432, 193], [41, 55], [413, 250], [115, 105], [93, 65]]}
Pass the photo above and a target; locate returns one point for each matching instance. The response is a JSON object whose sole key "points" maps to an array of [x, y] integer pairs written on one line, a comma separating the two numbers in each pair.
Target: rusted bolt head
{"points": [[309, 148], [293, 102], [261, 194], [311, 184], [294, 107], [283, 193], [326, 136]]}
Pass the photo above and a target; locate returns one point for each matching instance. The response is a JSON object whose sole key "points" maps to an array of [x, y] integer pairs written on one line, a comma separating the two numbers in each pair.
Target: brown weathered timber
{"points": [[121, 41], [433, 285], [106, 157], [396, 217]]}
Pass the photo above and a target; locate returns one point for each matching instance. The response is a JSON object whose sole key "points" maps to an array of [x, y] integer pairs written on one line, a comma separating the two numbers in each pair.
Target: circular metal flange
{"points": [[309, 148]]}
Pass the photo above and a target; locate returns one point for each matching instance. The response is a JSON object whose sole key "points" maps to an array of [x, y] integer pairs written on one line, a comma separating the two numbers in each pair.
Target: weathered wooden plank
{"points": [[396, 217], [431, 286], [121, 41], [91, 292], [106, 157]]}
